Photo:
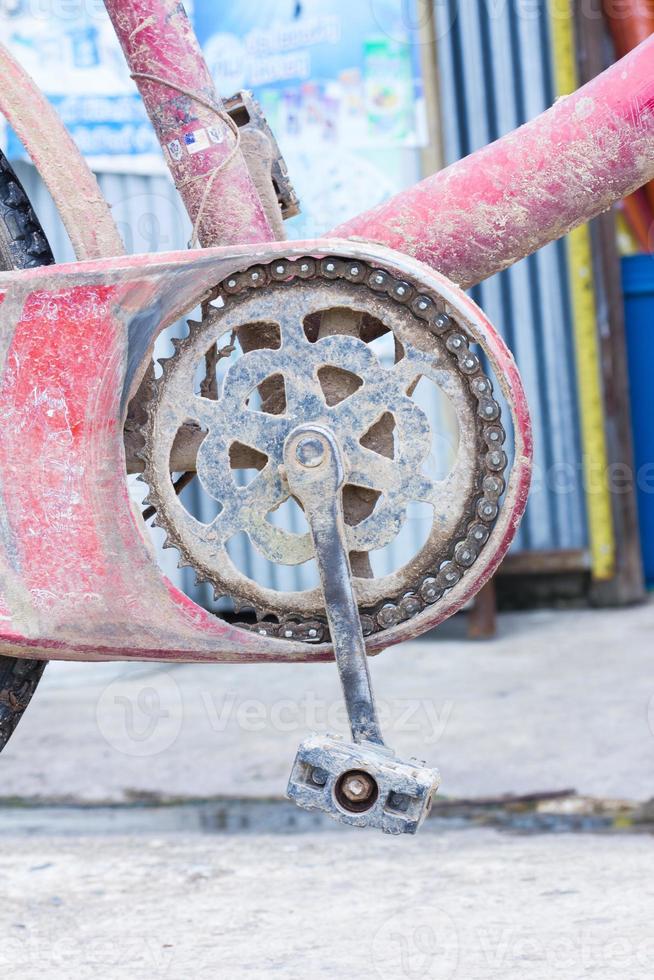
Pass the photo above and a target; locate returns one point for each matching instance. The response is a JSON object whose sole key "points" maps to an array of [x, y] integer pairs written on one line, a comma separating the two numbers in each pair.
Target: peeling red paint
{"points": [[54, 409]]}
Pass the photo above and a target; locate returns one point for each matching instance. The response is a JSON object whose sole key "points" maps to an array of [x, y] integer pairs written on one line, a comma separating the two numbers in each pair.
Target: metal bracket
{"points": [[361, 783], [263, 156]]}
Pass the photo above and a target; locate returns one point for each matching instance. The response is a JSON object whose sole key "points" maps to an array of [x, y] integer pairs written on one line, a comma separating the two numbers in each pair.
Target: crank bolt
{"points": [[355, 788], [310, 453], [356, 791]]}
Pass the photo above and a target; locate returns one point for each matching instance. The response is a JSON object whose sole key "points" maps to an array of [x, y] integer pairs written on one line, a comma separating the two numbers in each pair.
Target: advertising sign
{"points": [[341, 85], [339, 81], [329, 72], [70, 50]]}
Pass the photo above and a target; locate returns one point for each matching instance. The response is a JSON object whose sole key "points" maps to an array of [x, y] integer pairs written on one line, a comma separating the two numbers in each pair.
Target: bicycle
{"points": [[277, 381]]}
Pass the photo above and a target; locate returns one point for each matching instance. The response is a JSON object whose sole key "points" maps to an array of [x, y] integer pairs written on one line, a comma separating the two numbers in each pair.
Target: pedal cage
{"points": [[362, 784]]}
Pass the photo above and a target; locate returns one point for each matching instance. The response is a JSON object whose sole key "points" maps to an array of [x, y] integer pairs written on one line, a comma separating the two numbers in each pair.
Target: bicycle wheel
{"points": [[23, 245]]}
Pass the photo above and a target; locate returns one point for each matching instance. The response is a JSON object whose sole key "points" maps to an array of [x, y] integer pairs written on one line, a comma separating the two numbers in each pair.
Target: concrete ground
{"points": [[463, 905], [560, 700]]}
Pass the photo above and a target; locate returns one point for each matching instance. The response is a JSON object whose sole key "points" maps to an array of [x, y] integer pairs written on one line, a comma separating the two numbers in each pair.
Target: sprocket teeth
{"points": [[261, 613]]}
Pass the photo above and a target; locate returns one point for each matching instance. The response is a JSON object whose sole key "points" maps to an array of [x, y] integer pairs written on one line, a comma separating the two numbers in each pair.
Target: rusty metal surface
{"points": [[74, 344], [278, 302]]}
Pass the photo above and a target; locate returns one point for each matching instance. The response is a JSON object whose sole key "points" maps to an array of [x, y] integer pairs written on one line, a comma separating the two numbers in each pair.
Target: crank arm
{"points": [[360, 783], [314, 470]]}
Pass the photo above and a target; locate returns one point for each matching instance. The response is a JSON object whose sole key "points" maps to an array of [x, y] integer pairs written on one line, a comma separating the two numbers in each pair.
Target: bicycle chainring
{"points": [[299, 337]]}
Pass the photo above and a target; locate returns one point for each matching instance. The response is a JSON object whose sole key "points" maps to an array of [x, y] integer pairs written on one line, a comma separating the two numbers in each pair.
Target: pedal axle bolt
{"points": [[357, 787]]}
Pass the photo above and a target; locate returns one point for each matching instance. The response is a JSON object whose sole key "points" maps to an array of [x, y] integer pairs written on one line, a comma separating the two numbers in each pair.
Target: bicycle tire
{"points": [[23, 245]]}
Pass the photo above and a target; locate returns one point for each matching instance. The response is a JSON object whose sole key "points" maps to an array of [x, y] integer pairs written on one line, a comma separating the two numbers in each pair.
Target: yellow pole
{"points": [[587, 350]]}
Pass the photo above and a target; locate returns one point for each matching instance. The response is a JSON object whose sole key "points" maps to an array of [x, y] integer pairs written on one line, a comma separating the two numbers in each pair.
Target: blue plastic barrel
{"points": [[638, 287]]}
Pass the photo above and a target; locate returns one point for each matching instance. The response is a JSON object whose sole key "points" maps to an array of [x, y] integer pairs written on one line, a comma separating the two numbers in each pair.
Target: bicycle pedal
{"points": [[362, 784]]}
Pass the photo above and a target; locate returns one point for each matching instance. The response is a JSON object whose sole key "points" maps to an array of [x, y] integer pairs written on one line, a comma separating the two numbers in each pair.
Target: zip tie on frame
{"points": [[231, 125]]}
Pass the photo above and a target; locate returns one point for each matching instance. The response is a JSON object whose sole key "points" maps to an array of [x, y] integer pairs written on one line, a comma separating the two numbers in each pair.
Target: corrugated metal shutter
{"points": [[495, 74]]}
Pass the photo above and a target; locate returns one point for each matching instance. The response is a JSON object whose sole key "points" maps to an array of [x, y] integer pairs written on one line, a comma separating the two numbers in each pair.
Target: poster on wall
{"points": [[340, 83], [341, 86], [70, 50], [337, 72]]}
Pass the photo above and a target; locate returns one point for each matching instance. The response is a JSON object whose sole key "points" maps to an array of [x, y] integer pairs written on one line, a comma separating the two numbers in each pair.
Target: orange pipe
{"points": [[632, 21], [640, 216]]}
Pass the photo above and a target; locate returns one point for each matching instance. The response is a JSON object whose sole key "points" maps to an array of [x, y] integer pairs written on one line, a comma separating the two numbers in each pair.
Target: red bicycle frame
{"points": [[85, 584]]}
